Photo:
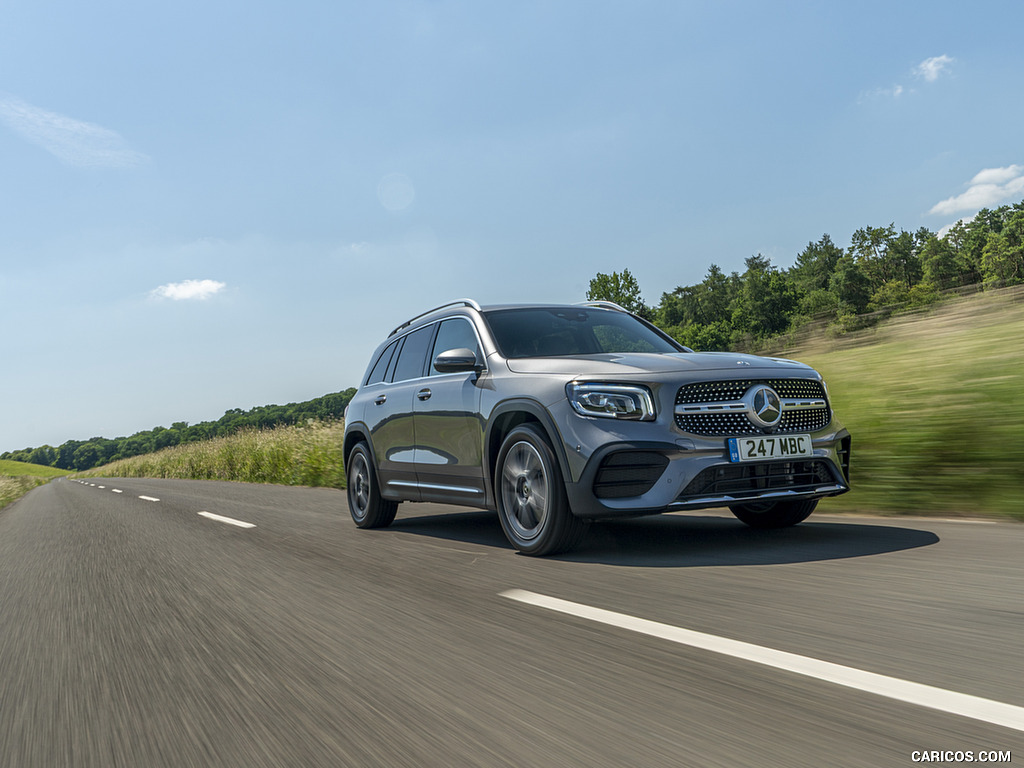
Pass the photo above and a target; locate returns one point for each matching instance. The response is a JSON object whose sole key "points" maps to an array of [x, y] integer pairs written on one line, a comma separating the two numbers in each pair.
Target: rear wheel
{"points": [[532, 503], [774, 514], [369, 509]]}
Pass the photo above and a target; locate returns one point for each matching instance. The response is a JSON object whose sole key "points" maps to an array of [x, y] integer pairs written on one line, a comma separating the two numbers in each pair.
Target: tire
{"points": [[530, 494], [774, 514], [369, 509]]}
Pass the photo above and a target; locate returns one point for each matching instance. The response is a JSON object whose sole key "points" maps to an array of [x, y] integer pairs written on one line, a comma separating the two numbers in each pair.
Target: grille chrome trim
{"points": [[788, 404], [793, 404], [713, 408]]}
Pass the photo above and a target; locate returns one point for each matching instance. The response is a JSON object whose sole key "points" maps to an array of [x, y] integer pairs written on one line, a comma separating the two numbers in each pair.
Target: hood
{"points": [[631, 363]]}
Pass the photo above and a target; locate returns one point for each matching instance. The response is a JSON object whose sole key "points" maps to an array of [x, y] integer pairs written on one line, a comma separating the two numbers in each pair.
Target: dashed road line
{"points": [[208, 515], [974, 707], [228, 520]]}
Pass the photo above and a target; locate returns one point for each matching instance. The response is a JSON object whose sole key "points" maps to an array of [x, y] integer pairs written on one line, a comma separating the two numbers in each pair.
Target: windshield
{"points": [[561, 331]]}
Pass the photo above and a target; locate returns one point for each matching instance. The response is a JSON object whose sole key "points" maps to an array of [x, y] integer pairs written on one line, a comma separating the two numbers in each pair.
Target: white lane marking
{"points": [[148, 498], [101, 486], [116, 490], [974, 707], [227, 520], [956, 521]]}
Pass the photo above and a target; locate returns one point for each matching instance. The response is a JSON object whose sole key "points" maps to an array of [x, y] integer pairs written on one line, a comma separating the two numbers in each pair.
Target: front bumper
{"points": [[648, 477]]}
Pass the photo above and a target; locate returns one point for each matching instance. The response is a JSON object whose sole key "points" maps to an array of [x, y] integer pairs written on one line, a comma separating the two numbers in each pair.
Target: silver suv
{"points": [[554, 416]]}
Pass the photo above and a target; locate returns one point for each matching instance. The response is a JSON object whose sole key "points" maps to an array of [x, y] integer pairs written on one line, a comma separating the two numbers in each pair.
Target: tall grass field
{"points": [[310, 454]]}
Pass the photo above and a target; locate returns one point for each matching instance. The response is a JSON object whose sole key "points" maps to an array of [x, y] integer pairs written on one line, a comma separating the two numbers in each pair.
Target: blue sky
{"points": [[214, 205]]}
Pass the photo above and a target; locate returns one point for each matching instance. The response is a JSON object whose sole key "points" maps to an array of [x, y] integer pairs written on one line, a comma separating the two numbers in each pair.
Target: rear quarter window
{"points": [[413, 354], [381, 366]]}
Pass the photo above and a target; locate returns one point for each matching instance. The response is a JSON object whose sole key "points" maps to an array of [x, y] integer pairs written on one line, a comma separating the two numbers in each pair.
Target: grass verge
{"points": [[310, 455], [18, 478], [21, 469], [13, 488]]}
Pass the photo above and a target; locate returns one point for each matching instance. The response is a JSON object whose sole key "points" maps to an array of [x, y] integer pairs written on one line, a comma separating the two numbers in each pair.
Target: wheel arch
{"points": [[356, 433], [503, 419]]}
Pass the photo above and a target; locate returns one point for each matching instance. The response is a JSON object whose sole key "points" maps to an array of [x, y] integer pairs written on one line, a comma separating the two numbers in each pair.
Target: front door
{"points": [[449, 428]]}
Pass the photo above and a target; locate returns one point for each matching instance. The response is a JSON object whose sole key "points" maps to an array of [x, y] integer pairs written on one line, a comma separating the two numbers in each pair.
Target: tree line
{"points": [[881, 270], [81, 455]]}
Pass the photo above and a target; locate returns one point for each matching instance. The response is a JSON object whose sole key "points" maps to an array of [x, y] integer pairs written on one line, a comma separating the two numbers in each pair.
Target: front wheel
{"points": [[774, 514], [532, 503], [369, 509]]}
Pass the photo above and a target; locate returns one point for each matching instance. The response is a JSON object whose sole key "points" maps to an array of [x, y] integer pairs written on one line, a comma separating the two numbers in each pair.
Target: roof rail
{"points": [[603, 305], [456, 303]]}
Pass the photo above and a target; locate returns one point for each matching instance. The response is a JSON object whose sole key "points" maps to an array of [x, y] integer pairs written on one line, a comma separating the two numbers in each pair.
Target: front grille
{"points": [[740, 479], [804, 419], [628, 473]]}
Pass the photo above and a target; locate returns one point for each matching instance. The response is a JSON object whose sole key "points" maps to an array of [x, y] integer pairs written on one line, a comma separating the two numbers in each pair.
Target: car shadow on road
{"points": [[679, 541], [687, 541]]}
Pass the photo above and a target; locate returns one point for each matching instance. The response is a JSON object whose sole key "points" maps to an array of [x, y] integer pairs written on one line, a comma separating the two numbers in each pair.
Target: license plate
{"points": [[765, 447]]}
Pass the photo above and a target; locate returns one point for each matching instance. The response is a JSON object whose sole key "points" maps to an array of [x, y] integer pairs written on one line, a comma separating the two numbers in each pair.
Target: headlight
{"points": [[612, 401]]}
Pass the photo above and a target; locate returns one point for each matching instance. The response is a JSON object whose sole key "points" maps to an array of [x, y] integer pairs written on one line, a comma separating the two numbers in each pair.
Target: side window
{"points": [[456, 333], [381, 366], [413, 354]]}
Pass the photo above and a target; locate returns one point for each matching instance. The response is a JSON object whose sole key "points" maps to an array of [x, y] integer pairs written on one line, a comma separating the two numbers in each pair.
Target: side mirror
{"points": [[457, 361]]}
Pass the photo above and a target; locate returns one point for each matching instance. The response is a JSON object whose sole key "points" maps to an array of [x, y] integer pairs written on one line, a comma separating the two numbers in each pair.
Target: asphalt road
{"points": [[138, 632]]}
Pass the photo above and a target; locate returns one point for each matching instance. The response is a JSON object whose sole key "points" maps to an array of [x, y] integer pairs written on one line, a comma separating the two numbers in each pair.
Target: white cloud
{"points": [[988, 188], [930, 69], [188, 289], [998, 175], [893, 92], [77, 143]]}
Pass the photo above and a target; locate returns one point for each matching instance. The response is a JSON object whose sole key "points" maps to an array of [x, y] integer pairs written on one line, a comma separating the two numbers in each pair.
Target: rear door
{"points": [[390, 416]]}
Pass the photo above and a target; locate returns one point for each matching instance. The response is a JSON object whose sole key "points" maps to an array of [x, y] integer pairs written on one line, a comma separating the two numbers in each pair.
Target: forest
{"points": [[882, 271]]}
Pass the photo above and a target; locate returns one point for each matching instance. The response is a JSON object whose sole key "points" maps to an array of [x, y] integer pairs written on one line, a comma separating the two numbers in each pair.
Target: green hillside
{"points": [[23, 469], [933, 403]]}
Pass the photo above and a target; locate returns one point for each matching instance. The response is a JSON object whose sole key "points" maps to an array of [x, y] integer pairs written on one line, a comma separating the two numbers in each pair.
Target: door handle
{"points": [[381, 399], [423, 394]]}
